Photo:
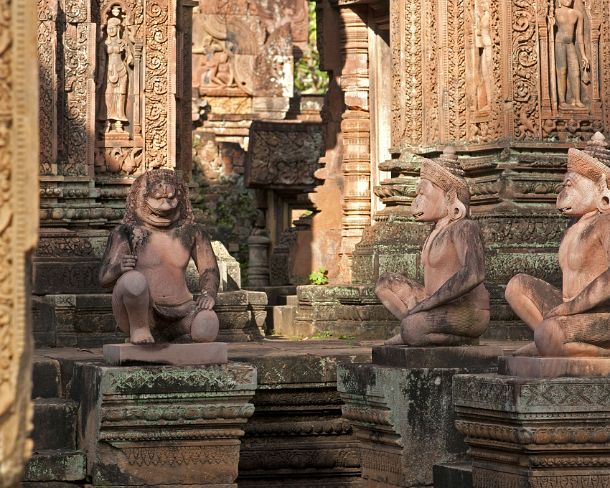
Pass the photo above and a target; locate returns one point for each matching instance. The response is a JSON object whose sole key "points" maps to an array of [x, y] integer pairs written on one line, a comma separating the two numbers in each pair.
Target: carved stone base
{"points": [[174, 354], [527, 367], [403, 416], [163, 425], [531, 432]]}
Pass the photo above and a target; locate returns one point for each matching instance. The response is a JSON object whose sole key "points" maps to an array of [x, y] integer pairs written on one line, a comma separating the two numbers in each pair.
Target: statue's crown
{"points": [[594, 161], [445, 171]]}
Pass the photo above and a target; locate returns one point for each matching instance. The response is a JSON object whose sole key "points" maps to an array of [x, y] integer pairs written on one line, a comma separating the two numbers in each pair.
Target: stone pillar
{"points": [[401, 412], [258, 262], [355, 126], [176, 426], [18, 229], [542, 423]]}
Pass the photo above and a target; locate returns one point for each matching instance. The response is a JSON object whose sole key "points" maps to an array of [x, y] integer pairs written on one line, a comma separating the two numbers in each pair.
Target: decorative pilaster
{"points": [[18, 203], [355, 127]]}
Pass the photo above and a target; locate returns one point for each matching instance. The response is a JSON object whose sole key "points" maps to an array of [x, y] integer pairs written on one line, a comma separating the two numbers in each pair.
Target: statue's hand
{"points": [[560, 310], [585, 62], [128, 262], [205, 302]]}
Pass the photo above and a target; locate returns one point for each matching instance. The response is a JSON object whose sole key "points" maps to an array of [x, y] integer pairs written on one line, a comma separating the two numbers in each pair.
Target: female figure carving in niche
{"points": [[119, 56], [570, 32], [483, 55]]}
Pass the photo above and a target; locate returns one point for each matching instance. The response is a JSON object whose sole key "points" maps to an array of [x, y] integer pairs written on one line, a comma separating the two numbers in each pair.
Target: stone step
{"points": [[284, 320], [56, 465], [46, 378], [457, 475], [292, 300], [54, 424]]}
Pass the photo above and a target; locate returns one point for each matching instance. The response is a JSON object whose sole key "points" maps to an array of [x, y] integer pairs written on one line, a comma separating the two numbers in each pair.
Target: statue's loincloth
{"points": [[170, 322]]}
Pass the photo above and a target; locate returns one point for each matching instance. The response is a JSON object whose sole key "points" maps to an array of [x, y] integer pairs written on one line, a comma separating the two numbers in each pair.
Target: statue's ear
{"points": [[455, 207], [603, 204]]}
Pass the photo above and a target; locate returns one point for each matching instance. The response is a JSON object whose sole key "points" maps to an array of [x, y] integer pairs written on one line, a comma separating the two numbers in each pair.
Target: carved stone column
{"points": [[355, 126], [18, 203]]}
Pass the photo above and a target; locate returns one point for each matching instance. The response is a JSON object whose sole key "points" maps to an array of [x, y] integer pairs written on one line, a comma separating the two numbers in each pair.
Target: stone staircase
{"points": [[56, 460]]}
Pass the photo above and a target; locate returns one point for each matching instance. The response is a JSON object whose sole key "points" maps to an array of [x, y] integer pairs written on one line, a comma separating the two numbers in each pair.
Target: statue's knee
{"points": [[383, 282], [549, 338], [205, 326], [133, 284], [515, 286], [413, 330]]}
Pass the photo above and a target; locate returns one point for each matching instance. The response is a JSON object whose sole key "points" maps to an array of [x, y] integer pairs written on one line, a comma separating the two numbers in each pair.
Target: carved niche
{"points": [[120, 43]]}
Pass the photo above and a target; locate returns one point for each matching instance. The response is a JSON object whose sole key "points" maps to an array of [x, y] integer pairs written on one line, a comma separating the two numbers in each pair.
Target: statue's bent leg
{"points": [[584, 335], [531, 298], [131, 306], [204, 327], [398, 294], [447, 325]]}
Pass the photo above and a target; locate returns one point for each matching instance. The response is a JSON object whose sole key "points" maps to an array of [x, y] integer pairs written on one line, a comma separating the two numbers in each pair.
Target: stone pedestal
{"points": [[536, 431], [400, 409], [163, 425], [174, 354]]}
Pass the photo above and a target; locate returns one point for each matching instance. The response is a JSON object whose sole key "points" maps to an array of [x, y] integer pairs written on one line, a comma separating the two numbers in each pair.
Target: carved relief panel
{"points": [[478, 71]]}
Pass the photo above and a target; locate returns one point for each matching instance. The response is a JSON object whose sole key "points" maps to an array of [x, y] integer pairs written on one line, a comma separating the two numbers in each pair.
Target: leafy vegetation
{"points": [[319, 277], [308, 77]]}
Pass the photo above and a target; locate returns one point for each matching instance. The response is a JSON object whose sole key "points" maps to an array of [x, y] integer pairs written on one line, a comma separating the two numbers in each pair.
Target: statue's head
{"points": [[567, 3], [585, 185], [442, 190], [159, 199], [113, 26]]}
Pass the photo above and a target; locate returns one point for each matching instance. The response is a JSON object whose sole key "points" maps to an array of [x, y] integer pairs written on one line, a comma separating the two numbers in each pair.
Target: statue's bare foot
{"points": [[394, 341], [527, 350], [578, 103], [141, 337], [564, 105]]}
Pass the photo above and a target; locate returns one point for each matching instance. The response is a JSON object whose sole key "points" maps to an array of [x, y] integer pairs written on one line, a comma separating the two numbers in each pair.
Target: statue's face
{"points": [[430, 204], [579, 195], [567, 3], [160, 207], [113, 30]]}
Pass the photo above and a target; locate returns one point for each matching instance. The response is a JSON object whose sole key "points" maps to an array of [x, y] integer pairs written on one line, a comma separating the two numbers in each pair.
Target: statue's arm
{"points": [[580, 37], [595, 293], [469, 247], [207, 266], [116, 247]]}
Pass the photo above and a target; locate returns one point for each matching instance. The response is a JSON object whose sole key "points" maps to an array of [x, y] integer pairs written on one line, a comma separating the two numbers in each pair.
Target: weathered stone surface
{"points": [[46, 378], [479, 357], [297, 436], [527, 367], [403, 418], [535, 432], [56, 465], [172, 354], [452, 475], [202, 409], [54, 424]]}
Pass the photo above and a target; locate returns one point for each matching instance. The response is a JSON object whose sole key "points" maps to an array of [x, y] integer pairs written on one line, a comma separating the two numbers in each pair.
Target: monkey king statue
{"points": [[574, 321], [145, 263], [452, 307]]}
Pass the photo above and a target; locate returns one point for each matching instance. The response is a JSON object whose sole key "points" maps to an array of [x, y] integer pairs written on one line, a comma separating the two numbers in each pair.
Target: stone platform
{"points": [[296, 437], [174, 354], [401, 411], [548, 428], [163, 425]]}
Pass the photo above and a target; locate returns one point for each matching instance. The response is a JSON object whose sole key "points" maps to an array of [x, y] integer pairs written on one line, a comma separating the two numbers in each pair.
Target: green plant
{"points": [[319, 277], [308, 77]]}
